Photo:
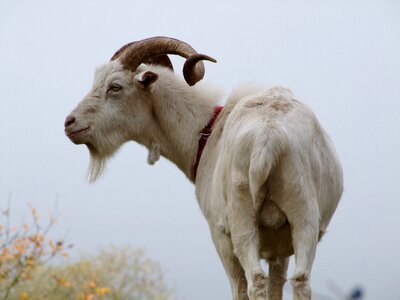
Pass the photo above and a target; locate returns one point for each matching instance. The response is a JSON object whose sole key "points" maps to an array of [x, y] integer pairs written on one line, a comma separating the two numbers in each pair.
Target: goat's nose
{"points": [[69, 121]]}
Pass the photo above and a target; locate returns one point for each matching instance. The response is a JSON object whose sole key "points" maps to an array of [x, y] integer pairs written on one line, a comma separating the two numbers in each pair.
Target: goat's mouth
{"points": [[77, 136]]}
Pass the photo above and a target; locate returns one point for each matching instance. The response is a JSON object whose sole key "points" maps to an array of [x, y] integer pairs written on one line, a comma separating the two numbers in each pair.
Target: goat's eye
{"points": [[115, 87]]}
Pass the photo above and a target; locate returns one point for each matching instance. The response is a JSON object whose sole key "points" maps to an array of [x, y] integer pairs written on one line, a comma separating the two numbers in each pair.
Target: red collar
{"points": [[204, 134]]}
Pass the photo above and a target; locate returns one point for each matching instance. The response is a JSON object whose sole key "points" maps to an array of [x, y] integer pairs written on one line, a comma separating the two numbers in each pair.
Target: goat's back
{"points": [[268, 140]]}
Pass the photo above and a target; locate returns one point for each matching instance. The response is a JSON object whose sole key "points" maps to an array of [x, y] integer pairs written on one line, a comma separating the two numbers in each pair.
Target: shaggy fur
{"points": [[268, 181]]}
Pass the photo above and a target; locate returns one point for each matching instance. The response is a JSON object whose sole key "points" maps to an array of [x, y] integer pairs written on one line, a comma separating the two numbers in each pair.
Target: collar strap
{"points": [[204, 134]]}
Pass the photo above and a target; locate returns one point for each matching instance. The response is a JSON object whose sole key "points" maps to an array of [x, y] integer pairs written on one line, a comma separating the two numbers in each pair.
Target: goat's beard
{"points": [[100, 151], [97, 164]]}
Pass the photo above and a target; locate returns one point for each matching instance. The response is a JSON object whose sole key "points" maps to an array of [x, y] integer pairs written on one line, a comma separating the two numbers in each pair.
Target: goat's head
{"points": [[117, 109]]}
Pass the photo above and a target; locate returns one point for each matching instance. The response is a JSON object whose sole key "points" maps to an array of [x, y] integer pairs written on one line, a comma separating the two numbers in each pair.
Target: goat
{"points": [[267, 177]]}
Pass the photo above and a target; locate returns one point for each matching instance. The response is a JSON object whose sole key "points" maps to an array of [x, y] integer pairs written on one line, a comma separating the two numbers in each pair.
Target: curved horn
{"points": [[133, 54], [120, 51], [190, 72], [162, 60]]}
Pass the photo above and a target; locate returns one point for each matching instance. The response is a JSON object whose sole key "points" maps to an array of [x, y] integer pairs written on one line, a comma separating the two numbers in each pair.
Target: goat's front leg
{"points": [[242, 219], [231, 264]]}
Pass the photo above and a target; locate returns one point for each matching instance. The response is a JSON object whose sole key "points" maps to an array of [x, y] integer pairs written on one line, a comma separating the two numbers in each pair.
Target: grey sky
{"points": [[342, 59]]}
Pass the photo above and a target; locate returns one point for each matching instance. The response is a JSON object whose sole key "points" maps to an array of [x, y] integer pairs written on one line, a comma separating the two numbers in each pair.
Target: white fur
{"points": [[268, 181]]}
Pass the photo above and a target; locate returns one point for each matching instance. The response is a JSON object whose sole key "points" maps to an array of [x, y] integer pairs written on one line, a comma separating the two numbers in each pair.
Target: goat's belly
{"points": [[275, 242]]}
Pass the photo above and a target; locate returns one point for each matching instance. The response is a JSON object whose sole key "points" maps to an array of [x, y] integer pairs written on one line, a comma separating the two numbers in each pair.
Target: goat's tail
{"points": [[264, 156]]}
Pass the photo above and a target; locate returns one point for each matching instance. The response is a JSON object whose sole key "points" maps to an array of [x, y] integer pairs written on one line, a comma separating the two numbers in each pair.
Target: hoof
{"points": [[301, 287], [258, 288]]}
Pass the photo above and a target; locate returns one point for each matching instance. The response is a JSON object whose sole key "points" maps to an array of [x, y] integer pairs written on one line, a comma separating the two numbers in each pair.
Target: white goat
{"points": [[268, 180]]}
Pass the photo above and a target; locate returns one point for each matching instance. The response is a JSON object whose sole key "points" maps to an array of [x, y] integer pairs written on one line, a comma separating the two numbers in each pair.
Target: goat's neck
{"points": [[180, 116]]}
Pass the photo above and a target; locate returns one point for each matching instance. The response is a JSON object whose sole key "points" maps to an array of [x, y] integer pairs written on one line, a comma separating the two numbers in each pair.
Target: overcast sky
{"points": [[342, 59]]}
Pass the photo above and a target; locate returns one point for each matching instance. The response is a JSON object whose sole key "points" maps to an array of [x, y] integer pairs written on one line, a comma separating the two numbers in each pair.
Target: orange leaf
{"points": [[24, 296]]}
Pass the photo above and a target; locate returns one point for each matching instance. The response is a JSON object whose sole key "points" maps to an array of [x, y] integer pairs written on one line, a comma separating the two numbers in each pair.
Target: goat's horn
{"points": [[190, 72], [120, 51], [162, 60], [133, 54]]}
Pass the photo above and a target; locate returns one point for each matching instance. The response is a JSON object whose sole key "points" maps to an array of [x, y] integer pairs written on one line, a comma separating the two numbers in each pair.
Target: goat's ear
{"points": [[146, 79]]}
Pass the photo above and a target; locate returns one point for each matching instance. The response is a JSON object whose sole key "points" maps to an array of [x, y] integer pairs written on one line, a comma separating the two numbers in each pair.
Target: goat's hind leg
{"points": [[231, 263], [304, 221], [277, 277], [243, 219]]}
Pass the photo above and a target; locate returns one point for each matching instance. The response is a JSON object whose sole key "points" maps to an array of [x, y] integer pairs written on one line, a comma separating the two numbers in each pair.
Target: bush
{"points": [[113, 274], [23, 250], [27, 273]]}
